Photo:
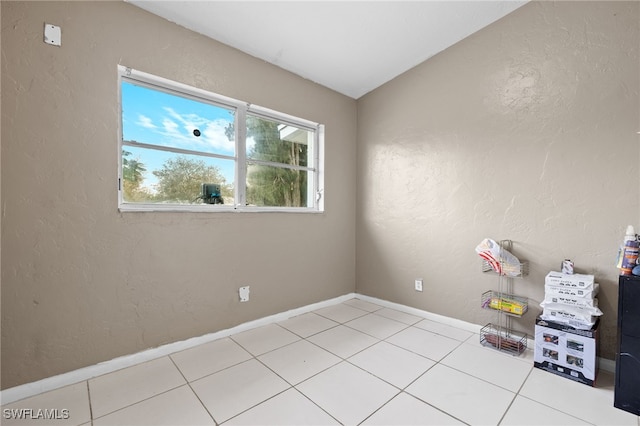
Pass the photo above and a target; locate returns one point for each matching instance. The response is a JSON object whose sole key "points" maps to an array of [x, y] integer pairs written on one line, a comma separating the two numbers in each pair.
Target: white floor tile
{"points": [[290, 408], [376, 326], [424, 343], [238, 388], [525, 412], [475, 341], [361, 304], [398, 316], [179, 406], [464, 397], [308, 324], [605, 381], [73, 398], [406, 410], [490, 365], [444, 330], [343, 341], [209, 358], [395, 365], [527, 356], [341, 313], [124, 387], [347, 393], [299, 361], [593, 405], [264, 339], [346, 363]]}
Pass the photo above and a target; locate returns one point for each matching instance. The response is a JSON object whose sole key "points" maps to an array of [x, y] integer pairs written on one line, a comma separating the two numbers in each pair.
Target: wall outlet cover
{"points": [[52, 35], [244, 293]]}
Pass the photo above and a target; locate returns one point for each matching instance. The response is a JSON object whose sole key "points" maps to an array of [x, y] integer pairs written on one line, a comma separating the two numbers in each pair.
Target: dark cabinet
{"points": [[627, 387]]}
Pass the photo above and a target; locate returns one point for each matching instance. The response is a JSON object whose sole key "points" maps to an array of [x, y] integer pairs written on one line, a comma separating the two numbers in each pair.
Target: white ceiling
{"points": [[349, 46]]}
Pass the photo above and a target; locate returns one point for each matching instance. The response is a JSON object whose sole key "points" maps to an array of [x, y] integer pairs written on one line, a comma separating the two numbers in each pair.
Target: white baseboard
{"points": [[16, 393], [10, 395], [607, 364], [474, 328]]}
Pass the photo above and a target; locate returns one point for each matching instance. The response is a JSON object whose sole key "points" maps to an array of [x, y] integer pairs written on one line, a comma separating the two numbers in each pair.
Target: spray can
{"points": [[567, 266], [629, 257], [629, 236]]}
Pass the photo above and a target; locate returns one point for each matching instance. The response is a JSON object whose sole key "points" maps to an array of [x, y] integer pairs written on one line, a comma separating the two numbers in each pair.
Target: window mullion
{"points": [[318, 176], [312, 182], [241, 156], [175, 150]]}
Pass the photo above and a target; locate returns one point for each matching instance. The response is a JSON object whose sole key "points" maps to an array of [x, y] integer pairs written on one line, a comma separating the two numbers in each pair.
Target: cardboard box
{"points": [[581, 281], [553, 290], [582, 321], [584, 302], [566, 351]]}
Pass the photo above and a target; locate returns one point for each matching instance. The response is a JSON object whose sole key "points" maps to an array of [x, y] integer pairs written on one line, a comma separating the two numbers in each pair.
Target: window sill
{"points": [[211, 208]]}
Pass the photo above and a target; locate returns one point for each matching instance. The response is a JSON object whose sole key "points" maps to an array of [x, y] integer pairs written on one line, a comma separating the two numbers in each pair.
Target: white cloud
{"points": [[190, 121], [212, 132], [176, 130], [170, 127], [145, 122]]}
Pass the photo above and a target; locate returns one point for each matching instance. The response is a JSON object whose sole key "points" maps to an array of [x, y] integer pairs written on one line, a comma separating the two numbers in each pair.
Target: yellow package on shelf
{"points": [[508, 305]]}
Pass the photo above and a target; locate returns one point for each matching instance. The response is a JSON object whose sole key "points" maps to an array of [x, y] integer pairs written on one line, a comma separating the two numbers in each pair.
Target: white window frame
{"points": [[315, 204]]}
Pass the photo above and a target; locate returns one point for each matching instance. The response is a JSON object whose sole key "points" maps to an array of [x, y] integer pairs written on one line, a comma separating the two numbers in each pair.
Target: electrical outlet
{"points": [[418, 284], [244, 293]]}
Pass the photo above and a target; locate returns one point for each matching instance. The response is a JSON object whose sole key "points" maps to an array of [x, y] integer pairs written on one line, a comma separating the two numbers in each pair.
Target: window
{"points": [[183, 148]]}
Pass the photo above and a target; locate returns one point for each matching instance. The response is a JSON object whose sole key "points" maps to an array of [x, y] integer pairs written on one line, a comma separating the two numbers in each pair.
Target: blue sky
{"points": [[150, 116]]}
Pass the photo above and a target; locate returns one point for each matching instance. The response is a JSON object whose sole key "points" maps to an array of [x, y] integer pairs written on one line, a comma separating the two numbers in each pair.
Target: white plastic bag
{"points": [[500, 260]]}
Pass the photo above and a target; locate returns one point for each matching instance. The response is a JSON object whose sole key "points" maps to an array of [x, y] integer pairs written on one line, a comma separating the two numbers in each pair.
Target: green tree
{"points": [[132, 177], [180, 180], [270, 185]]}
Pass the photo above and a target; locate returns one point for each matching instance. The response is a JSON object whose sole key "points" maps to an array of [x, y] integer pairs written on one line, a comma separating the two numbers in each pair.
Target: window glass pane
{"points": [[152, 176], [269, 186], [269, 140], [180, 147], [159, 118]]}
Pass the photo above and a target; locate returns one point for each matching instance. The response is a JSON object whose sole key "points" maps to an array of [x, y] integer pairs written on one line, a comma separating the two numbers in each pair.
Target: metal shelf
{"points": [[521, 272], [501, 336], [503, 339]]}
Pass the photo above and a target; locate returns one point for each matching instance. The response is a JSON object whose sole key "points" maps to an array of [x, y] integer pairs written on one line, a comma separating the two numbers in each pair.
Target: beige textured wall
{"points": [[83, 283], [524, 131]]}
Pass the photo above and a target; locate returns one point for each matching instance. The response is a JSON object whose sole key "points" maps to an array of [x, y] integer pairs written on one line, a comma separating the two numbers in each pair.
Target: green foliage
{"points": [[132, 177], [269, 185], [180, 180]]}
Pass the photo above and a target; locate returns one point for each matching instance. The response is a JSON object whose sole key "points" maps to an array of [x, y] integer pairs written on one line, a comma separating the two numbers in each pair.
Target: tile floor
{"points": [[350, 363]]}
